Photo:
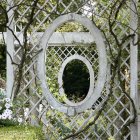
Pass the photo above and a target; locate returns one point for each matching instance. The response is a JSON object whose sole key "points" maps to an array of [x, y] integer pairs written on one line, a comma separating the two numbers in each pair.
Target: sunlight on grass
{"points": [[21, 133]]}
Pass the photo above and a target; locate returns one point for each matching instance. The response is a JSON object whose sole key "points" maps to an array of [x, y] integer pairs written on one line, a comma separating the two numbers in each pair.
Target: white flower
{"points": [[20, 120], [7, 99], [8, 111], [3, 116], [7, 105], [0, 107]]}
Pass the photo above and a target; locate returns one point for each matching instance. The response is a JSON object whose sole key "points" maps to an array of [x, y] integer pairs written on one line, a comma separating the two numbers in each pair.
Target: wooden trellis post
{"points": [[135, 129], [10, 50]]}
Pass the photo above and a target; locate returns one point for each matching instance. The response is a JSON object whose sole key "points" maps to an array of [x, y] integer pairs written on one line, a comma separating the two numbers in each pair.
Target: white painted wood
{"points": [[57, 38], [66, 38], [10, 49], [134, 69], [139, 103], [60, 79], [102, 63]]}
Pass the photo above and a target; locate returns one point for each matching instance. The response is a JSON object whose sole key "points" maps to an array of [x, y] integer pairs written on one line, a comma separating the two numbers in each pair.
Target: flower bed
{"points": [[13, 128], [6, 111]]}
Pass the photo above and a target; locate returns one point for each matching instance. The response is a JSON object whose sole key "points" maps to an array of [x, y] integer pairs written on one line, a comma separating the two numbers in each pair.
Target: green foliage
{"points": [[61, 124], [3, 13], [7, 122], [52, 64], [76, 80], [2, 94], [71, 27]]}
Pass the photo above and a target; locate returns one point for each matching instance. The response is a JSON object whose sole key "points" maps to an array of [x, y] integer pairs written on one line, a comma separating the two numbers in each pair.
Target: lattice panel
{"points": [[56, 55], [57, 124]]}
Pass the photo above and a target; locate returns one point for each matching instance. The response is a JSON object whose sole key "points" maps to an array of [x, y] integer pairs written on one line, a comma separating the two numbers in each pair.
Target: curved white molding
{"points": [[60, 78], [95, 32]]}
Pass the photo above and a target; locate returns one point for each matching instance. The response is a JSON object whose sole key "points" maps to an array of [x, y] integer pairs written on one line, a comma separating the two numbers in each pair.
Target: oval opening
{"points": [[89, 100], [76, 80]]}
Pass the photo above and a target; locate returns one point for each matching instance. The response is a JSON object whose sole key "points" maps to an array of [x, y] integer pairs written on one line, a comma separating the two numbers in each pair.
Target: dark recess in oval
{"points": [[76, 80]]}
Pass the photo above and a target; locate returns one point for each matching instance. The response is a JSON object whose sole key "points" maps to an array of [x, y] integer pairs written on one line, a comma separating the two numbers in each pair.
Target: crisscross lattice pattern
{"points": [[57, 124]]}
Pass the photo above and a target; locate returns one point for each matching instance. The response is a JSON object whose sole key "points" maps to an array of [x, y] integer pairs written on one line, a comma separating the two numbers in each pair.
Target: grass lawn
{"points": [[21, 133]]}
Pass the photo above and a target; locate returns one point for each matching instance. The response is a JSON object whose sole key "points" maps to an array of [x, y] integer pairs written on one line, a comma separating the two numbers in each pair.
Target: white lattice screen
{"points": [[56, 123]]}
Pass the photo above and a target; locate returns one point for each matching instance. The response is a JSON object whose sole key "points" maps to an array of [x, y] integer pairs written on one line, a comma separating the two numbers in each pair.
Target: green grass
{"points": [[21, 133]]}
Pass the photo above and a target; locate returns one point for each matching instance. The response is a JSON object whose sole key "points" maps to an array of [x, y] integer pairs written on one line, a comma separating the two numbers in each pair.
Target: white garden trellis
{"points": [[35, 90]]}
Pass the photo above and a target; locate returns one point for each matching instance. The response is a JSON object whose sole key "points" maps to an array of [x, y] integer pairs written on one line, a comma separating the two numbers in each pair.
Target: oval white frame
{"points": [[60, 78], [95, 32]]}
